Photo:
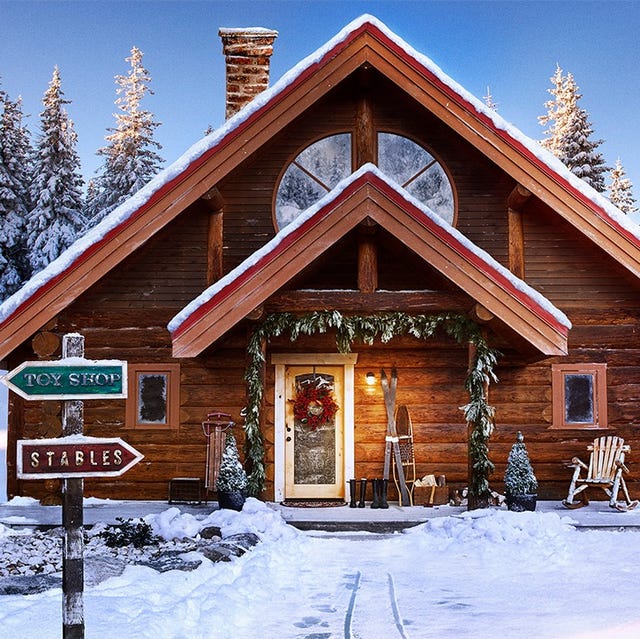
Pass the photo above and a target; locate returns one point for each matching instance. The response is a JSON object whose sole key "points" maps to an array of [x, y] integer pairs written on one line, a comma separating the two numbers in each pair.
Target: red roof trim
{"points": [[505, 136], [367, 27], [193, 166], [266, 259], [371, 178], [500, 279]]}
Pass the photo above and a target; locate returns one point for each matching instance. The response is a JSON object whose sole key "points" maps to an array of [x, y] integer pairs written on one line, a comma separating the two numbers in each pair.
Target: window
{"points": [[154, 396], [579, 395], [319, 167]]}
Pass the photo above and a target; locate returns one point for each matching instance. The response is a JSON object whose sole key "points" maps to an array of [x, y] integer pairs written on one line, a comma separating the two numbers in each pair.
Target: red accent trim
{"points": [[266, 259], [505, 136], [289, 88], [500, 279], [389, 191]]}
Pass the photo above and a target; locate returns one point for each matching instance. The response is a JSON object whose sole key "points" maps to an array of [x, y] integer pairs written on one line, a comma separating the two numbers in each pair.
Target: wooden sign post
{"points": [[72, 514], [73, 456]]}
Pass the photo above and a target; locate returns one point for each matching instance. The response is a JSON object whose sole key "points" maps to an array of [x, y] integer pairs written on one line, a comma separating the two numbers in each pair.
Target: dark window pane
{"points": [[152, 398], [578, 399]]}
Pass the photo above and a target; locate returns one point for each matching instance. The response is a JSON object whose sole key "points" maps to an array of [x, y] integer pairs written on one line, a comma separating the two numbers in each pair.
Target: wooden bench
{"points": [[605, 470]]}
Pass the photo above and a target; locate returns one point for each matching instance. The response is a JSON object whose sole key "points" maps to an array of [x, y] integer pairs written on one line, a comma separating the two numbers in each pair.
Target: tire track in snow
{"points": [[394, 607], [368, 607], [352, 602]]}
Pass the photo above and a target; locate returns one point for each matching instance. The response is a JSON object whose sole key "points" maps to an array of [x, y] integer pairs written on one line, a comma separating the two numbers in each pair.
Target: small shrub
{"points": [[129, 533], [519, 478], [231, 476]]}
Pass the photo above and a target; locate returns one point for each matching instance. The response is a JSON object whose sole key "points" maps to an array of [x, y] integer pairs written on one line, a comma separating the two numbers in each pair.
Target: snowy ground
{"points": [[476, 575]]}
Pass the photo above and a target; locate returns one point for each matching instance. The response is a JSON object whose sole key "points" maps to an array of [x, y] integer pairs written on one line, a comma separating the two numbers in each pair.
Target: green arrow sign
{"points": [[72, 378]]}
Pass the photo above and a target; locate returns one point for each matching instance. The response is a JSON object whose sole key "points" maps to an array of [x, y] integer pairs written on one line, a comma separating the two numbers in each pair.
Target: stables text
{"points": [[61, 458], [76, 457]]}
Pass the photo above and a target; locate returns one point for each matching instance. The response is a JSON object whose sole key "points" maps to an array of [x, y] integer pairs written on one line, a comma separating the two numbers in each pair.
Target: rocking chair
{"points": [[404, 431], [605, 470]]}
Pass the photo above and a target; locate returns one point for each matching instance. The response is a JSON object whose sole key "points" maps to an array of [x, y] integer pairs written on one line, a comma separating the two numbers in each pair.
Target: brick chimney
{"points": [[247, 53]]}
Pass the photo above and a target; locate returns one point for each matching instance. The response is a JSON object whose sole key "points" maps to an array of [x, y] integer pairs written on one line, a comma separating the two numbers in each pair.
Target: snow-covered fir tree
{"points": [[56, 190], [231, 476], [519, 478], [621, 189], [15, 176], [555, 117], [570, 132], [130, 157]]}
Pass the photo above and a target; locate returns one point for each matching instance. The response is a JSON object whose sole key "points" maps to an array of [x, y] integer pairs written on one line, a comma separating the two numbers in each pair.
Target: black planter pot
{"points": [[520, 503], [231, 501]]}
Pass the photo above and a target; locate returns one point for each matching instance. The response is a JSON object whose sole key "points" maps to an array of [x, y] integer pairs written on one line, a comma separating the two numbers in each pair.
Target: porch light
{"points": [[371, 379]]}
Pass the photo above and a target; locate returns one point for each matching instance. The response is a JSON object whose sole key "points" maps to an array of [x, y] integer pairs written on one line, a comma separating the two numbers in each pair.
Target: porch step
{"points": [[378, 527]]}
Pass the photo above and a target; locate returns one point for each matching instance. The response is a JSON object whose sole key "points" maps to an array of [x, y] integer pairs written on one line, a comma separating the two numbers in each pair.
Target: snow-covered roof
{"points": [[198, 155], [500, 290]]}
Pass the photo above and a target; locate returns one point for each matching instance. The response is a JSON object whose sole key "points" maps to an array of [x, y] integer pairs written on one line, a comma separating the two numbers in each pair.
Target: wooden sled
{"points": [[605, 471]]}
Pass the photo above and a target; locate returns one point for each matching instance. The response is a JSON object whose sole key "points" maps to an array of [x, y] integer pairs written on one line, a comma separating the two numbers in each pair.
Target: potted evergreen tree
{"points": [[520, 483], [231, 485]]}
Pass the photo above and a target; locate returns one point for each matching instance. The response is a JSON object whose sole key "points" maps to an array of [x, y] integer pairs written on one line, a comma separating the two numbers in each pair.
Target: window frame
{"points": [[377, 132], [599, 375], [172, 371]]}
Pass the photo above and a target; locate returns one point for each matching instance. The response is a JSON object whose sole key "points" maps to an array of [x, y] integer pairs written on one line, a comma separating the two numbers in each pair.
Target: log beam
{"points": [[214, 203], [367, 258], [516, 200], [365, 133], [379, 301]]}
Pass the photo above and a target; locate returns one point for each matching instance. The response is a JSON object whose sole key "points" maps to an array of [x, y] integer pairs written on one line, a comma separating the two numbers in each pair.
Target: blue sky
{"points": [[512, 47]]}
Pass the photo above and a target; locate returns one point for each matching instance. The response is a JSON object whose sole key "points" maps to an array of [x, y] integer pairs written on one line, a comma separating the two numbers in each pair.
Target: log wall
{"points": [[125, 316]]}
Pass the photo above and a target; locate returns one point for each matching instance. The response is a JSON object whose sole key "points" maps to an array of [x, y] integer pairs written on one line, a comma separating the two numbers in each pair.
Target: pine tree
{"points": [[231, 476], [620, 190], [130, 158], [15, 175], [555, 117], [519, 478], [570, 132], [56, 191]]}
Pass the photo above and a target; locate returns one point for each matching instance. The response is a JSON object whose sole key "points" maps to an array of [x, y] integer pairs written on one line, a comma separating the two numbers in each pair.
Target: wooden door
{"points": [[314, 432]]}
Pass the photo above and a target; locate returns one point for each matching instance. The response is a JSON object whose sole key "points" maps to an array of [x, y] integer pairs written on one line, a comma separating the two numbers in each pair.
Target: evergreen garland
{"points": [[365, 329]]}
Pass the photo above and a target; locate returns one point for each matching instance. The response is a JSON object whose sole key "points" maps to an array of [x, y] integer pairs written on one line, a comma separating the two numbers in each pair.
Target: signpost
{"points": [[72, 456], [70, 378]]}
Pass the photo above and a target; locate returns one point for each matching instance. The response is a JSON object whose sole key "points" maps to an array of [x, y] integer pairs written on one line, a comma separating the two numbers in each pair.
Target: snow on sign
{"points": [[70, 378], [74, 456]]}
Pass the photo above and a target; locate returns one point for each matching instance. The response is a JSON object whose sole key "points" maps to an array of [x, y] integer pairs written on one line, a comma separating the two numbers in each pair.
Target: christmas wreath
{"points": [[314, 404]]}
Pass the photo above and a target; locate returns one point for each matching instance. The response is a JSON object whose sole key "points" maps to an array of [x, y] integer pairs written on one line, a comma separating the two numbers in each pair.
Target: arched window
{"points": [[319, 167]]}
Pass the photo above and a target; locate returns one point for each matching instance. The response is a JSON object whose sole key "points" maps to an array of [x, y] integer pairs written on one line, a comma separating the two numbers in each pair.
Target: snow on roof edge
{"points": [[208, 294], [122, 213]]}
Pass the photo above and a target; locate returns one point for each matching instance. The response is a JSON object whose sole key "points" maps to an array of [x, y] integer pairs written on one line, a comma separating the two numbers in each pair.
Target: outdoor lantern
{"points": [[371, 379]]}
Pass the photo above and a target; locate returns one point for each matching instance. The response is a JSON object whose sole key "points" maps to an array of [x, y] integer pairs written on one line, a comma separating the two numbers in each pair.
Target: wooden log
{"points": [[408, 301], [367, 259]]}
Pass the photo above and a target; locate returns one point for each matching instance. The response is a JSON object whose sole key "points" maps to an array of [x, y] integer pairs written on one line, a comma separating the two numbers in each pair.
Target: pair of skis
{"points": [[391, 439]]}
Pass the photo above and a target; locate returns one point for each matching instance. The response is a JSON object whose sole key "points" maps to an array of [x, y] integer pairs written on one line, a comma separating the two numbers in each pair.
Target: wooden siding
{"points": [[125, 315]]}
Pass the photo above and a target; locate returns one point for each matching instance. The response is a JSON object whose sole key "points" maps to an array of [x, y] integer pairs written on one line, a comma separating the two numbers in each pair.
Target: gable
{"points": [[365, 42], [368, 194]]}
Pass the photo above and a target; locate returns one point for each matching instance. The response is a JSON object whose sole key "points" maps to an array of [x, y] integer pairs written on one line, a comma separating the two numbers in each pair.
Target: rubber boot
{"points": [[352, 493], [384, 485], [363, 492], [376, 499]]}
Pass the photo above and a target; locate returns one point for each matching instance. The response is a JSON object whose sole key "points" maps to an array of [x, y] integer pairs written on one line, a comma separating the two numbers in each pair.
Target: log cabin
{"points": [[363, 214]]}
